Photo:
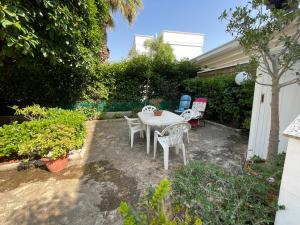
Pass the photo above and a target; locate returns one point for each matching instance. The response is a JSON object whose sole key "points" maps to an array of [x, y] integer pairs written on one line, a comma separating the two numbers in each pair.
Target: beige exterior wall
{"points": [[228, 55]]}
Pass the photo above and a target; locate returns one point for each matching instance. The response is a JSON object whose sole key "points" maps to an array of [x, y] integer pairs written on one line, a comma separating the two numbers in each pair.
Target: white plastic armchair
{"points": [[149, 108], [134, 126], [187, 115], [171, 136]]}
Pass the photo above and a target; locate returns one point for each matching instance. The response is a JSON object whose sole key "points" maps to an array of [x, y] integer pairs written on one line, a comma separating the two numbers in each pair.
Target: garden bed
{"points": [[49, 132], [202, 193], [217, 197]]}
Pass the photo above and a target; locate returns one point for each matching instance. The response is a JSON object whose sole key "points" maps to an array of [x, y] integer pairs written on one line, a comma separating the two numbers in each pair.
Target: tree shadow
{"points": [[86, 193]]}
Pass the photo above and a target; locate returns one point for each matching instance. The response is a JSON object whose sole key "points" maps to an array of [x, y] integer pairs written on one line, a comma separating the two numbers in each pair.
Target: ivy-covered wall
{"points": [[49, 50]]}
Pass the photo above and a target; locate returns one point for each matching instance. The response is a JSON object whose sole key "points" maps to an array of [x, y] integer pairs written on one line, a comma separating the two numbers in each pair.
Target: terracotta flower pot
{"points": [[158, 112], [57, 164]]}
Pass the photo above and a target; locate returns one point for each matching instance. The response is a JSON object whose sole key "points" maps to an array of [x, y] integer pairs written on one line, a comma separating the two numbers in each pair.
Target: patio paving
{"points": [[90, 191]]}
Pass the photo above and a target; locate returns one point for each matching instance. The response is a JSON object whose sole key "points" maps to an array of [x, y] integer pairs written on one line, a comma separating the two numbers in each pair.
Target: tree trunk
{"points": [[104, 51], [274, 131]]}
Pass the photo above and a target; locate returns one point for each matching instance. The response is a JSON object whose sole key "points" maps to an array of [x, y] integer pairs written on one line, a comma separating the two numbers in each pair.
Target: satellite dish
{"points": [[241, 77]]}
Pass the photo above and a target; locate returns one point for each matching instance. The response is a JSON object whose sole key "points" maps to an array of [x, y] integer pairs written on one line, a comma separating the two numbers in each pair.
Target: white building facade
{"points": [[289, 107], [185, 45], [289, 195]]}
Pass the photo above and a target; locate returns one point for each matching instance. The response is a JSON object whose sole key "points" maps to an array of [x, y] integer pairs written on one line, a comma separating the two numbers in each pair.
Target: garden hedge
{"points": [[228, 102], [142, 76], [13, 136]]}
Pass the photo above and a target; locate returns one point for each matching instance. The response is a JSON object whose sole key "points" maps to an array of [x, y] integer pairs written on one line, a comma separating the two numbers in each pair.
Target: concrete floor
{"points": [[90, 191]]}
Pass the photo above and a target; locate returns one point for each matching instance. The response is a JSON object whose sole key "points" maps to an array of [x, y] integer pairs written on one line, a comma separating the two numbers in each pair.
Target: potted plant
{"points": [[156, 102], [53, 146], [158, 111]]}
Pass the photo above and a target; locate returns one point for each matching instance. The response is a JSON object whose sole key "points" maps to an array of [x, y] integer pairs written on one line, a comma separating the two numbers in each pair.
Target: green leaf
{"points": [[12, 14], [18, 25], [6, 23]]}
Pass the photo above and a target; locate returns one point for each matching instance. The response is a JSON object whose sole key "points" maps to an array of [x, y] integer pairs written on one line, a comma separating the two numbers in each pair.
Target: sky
{"points": [[200, 16]]}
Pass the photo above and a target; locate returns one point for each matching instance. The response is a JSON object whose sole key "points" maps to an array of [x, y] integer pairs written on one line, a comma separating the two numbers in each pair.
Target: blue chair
{"points": [[184, 104]]}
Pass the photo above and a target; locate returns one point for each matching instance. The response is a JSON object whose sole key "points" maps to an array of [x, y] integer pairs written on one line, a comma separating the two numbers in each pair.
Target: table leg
{"points": [[148, 139]]}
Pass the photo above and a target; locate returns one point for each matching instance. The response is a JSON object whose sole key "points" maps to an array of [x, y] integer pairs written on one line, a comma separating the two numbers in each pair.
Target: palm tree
{"points": [[129, 9]]}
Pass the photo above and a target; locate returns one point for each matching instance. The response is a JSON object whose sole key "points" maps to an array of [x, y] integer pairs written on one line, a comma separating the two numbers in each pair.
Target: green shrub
{"points": [[90, 113], [31, 112], [154, 209], [270, 169], [218, 198], [53, 142], [91, 109], [228, 102], [12, 137]]}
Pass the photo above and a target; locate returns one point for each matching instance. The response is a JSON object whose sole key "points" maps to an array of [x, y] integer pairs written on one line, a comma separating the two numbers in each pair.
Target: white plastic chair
{"points": [[134, 126], [171, 136], [187, 115], [148, 108]]}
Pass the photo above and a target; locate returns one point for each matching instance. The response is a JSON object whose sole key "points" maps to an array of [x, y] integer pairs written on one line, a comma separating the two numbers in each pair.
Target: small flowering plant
{"points": [[156, 102]]}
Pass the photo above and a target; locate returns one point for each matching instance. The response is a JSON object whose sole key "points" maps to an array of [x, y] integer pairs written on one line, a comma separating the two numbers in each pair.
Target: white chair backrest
{"points": [[187, 115], [199, 106], [175, 133], [148, 108], [129, 121]]}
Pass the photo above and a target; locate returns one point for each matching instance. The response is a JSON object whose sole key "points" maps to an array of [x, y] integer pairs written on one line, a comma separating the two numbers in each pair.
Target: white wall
{"points": [[139, 43], [289, 108], [289, 195], [184, 45]]}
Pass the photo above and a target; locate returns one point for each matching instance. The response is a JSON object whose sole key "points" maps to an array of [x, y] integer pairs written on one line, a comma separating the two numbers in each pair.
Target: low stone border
{"points": [[9, 166], [74, 157], [109, 120], [223, 126], [111, 115]]}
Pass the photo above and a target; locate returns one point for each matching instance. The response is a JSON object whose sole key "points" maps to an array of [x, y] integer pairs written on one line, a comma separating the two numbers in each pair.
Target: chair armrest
{"points": [[135, 123], [133, 119], [157, 133]]}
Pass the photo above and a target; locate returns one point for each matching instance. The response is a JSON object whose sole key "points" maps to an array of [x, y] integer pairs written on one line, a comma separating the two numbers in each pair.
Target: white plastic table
{"points": [[167, 118]]}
